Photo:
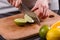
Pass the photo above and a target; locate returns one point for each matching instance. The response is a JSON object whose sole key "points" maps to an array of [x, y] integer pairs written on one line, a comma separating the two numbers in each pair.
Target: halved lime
{"points": [[28, 19], [20, 21]]}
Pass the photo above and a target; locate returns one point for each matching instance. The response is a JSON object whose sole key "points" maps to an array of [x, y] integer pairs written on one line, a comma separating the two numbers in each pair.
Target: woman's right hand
{"points": [[15, 3]]}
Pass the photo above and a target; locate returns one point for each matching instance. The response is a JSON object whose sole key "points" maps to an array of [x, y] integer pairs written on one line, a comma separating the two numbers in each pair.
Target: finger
{"points": [[37, 11], [40, 15], [14, 2], [45, 11], [34, 8], [46, 6], [45, 15], [41, 9], [8, 1], [11, 1], [18, 3]]}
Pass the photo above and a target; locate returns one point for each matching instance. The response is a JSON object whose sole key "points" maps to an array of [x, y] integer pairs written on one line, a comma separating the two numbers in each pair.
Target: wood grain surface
{"points": [[9, 30]]}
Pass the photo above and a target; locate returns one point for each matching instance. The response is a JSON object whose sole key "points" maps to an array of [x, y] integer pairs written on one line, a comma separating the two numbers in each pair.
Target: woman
{"points": [[38, 8]]}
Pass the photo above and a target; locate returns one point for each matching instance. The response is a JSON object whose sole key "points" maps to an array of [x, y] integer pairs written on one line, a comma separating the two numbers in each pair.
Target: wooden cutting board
{"points": [[9, 30]]}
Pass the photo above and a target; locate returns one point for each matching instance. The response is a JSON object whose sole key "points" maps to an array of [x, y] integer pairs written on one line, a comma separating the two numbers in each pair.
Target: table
{"points": [[36, 37]]}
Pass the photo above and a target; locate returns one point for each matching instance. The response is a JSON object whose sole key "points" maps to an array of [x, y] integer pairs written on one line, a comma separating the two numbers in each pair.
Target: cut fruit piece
{"points": [[55, 25], [20, 21], [28, 19]]}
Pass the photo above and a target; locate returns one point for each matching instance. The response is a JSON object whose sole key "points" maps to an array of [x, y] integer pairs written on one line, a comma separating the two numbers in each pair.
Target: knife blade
{"points": [[30, 13]]}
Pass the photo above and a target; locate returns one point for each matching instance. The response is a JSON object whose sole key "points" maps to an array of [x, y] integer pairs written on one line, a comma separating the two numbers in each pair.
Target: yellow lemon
{"points": [[54, 32], [56, 25]]}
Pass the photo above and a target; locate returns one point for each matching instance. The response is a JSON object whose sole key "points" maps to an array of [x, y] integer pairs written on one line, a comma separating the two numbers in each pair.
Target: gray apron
{"points": [[29, 3], [54, 4]]}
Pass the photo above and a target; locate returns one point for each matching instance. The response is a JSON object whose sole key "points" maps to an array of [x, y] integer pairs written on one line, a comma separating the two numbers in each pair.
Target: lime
{"points": [[28, 19], [43, 31], [20, 21]]}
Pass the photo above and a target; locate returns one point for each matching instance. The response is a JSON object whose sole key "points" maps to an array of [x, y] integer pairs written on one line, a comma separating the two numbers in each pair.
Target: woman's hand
{"points": [[40, 7], [15, 3]]}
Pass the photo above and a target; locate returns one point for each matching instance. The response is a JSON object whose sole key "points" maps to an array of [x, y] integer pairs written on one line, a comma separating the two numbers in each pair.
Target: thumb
{"points": [[34, 8]]}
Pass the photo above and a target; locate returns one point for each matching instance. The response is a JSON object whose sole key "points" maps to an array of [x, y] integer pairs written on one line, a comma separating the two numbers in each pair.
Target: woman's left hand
{"points": [[40, 6]]}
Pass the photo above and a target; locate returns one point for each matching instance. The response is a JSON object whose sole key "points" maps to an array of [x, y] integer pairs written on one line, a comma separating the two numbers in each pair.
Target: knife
{"points": [[30, 13]]}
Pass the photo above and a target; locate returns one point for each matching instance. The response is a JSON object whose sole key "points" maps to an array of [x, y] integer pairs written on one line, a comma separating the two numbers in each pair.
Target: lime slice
{"points": [[43, 31], [20, 21], [28, 19]]}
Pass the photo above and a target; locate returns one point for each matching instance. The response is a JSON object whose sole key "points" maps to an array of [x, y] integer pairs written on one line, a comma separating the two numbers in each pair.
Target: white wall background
{"points": [[4, 3], [54, 4]]}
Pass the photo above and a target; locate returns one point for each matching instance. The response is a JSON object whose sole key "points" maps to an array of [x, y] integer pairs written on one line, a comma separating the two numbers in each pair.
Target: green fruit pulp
{"points": [[20, 21], [28, 18]]}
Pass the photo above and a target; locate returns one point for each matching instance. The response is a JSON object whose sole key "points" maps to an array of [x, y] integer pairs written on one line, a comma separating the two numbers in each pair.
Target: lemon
{"points": [[20, 21], [54, 32], [56, 24], [28, 18], [43, 31]]}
